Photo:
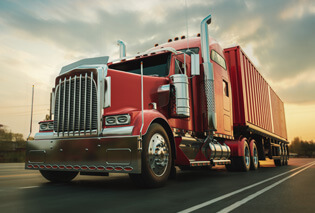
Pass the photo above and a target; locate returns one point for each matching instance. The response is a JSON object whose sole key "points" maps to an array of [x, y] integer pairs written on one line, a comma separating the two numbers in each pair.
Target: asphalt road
{"points": [[283, 189]]}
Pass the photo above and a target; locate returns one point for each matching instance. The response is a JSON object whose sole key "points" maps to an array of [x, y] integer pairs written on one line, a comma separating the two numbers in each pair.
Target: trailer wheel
{"points": [[282, 156], [285, 155], [58, 176], [279, 162], [254, 162], [244, 161], [156, 159]]}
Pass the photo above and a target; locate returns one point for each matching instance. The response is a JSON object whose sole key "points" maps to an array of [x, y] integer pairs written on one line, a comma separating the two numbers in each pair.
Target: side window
{"points": [[225, 88], [217, 58], [179, 67]]}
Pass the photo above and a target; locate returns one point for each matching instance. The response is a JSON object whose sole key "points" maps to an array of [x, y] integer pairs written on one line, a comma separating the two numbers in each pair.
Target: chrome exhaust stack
{"points": [[122, 48], [208, 75]]}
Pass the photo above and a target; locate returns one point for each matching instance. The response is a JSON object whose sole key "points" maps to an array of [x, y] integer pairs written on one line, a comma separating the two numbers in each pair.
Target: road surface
{"points": [[283, 189]]}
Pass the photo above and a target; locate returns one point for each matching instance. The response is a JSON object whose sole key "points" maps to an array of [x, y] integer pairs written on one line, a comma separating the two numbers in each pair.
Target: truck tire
{"points": [[156, 159], [240, 163], [244, 161], [285, 155], [254, 160], [278, 162], [282, 156], [58, 176]]}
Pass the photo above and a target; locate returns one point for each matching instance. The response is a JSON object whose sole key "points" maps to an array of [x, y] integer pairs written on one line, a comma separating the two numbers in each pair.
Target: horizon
{"points": [[40, 37]]}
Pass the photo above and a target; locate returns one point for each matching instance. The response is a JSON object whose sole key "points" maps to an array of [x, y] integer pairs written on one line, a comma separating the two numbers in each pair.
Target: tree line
{"points": [[302, 148]]}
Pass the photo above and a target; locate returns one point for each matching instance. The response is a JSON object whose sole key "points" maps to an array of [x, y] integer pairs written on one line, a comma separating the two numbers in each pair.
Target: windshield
{"points": [[190, 51], [157, 65]]}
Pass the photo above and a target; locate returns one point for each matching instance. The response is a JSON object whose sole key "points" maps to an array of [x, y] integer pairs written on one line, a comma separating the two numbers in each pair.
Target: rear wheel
{"points": [[58, 176], [285, 155], [241, 163], [156, 158], [278, 162], [282, 157], [254, 162]]}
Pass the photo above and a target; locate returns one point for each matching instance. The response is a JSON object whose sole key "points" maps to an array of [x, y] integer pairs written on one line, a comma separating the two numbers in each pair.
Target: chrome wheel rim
{"points": [[255, 156], [247, 156], [158, 154]]}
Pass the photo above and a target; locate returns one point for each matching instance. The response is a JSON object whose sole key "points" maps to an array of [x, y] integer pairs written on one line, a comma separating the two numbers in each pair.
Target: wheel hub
{"points": [[158, 154]]}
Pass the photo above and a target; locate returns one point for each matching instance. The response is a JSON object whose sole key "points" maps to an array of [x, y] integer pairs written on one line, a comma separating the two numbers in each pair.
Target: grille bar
{"points": [[85, 100], [64, 105], [91, 102], [80, 103], [76, 105], [69, 101], [74, 101]]}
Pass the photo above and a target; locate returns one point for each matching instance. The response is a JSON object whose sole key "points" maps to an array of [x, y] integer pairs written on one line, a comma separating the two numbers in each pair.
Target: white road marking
{"points": [[207, 203], [28, 187], [252, 196]]}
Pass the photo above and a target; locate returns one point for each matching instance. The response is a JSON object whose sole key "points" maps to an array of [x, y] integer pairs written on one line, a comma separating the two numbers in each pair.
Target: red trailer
{"points": [[255, 104], [257, 109], [182, 103]]}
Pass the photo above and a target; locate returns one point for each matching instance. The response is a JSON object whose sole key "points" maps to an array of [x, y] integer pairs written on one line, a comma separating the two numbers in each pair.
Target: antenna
{"points": [[186, 24], [31, 113]]}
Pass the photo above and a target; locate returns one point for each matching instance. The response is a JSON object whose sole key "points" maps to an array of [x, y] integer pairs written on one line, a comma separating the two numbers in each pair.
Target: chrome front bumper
{"points": [[91, 154]]}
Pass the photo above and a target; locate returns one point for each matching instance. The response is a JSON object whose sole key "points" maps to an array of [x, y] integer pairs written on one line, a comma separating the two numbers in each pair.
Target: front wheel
{"points": [[58, 176], [156, 158]]}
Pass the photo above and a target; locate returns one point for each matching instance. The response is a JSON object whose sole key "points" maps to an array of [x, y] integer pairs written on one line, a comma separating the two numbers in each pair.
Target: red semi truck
{"points": [[182, 103]]}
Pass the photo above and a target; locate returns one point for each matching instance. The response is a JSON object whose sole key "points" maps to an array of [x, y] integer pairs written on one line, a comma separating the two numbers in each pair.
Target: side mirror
{"points": [[195, 68]]}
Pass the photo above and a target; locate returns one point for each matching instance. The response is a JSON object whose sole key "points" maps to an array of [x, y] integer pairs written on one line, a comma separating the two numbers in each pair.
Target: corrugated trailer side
{"points": [[255, 104]]}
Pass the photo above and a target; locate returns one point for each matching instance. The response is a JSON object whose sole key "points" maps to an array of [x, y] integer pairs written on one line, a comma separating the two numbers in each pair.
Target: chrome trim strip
{"points": [[79, 117], [74, 105], [101, 74], [64, 105], [91, 104], [85, 100], [108, 92], [69, 99], [127, 130], [59, 86], [87, 62], [43, 135]]}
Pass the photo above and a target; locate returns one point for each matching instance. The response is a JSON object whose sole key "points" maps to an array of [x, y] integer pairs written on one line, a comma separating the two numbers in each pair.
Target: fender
{"points": [[153, 116], [149, 117], [236, 147]]}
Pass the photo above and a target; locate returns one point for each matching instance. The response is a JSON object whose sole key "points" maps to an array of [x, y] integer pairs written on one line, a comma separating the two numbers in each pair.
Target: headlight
{"points": [[43, 126], [47, 126], [117, 120]]}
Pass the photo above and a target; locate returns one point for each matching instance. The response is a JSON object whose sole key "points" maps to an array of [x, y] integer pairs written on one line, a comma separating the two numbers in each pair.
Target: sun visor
{"points": [[86, 61]]}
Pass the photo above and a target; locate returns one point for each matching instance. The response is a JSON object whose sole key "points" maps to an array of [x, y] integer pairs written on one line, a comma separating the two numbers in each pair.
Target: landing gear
{"points": [[156, 159]]}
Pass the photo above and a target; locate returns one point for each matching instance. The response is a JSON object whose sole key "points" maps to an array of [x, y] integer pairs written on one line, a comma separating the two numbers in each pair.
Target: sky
{"points": [[38, 37]]}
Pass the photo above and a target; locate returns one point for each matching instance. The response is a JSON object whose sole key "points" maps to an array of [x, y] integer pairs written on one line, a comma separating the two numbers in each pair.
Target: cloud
{"points": [[39, 37]]}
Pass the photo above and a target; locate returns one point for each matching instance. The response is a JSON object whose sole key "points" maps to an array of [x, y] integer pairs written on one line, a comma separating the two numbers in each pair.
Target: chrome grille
{"points": [[76, 105]]}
